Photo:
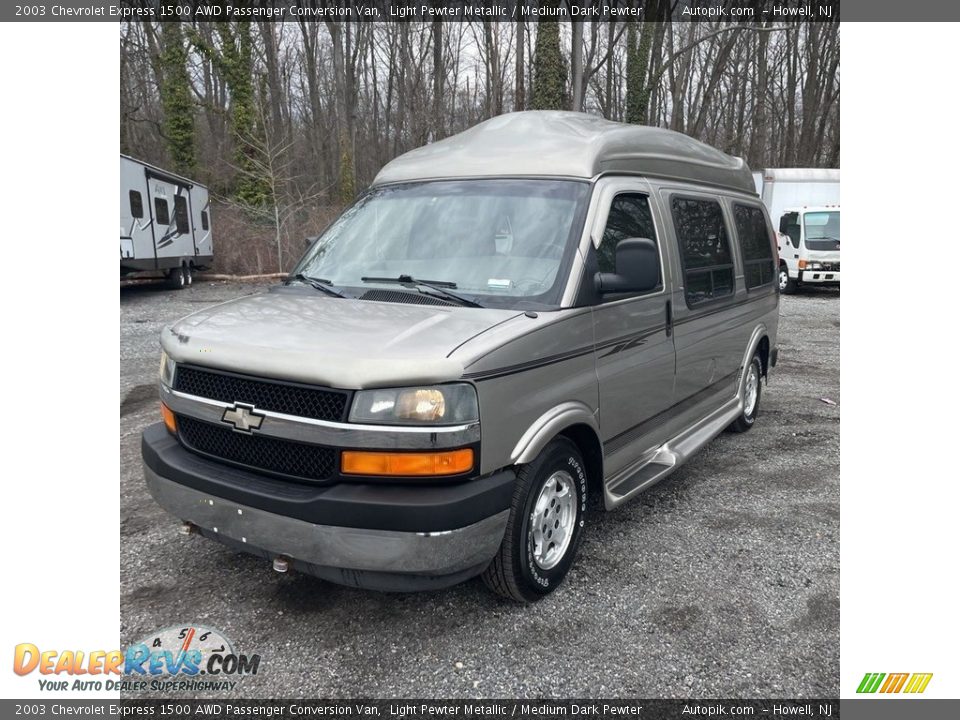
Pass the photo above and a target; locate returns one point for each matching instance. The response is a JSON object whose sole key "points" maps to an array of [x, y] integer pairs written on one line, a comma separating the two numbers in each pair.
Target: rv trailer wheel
{"points": [[188, 275], [176, 280], [751, 397], [788, 286], [545, 524]]}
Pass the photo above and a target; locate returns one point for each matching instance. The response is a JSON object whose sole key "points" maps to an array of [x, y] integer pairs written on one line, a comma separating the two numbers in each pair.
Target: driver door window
{"points": [[629, 217]]}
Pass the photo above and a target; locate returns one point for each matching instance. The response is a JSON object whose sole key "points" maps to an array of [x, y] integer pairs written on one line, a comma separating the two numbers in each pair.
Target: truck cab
{"points": [[809, 247]]}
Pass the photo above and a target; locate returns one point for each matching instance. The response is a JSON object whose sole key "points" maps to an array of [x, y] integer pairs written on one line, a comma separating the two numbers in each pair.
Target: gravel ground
{"points": [[722, 581]]}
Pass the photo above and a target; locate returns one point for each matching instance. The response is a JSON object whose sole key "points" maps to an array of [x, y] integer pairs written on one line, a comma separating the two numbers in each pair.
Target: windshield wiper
{"points": [[441, 288], [321, 284]]}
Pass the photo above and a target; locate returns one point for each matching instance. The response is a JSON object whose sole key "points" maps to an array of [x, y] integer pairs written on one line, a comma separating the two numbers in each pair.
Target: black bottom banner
{"points": [[825, 709]]}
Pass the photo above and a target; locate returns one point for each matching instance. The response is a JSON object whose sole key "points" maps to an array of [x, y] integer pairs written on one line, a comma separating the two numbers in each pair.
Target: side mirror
{"points": [[637, 268]]}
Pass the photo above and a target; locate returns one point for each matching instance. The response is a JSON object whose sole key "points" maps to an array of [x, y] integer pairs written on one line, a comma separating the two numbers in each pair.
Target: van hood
{"points": [[343, 343]]}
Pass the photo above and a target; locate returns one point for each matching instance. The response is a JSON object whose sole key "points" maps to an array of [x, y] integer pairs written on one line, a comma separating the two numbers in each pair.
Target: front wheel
{"points": [[546, 521], [751, 397], [788, 286]]}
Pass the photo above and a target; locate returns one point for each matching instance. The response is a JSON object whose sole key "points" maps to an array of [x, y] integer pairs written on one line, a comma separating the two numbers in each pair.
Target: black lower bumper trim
{"points": [[406, 508]]}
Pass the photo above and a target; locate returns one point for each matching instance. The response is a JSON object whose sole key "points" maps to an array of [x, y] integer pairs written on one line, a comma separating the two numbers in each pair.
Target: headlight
{"points": [[814, 266], [433, 405], [167, 369]]}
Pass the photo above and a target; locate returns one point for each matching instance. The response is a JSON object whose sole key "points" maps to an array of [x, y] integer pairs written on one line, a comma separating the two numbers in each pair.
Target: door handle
{"points": [[669, 319]]}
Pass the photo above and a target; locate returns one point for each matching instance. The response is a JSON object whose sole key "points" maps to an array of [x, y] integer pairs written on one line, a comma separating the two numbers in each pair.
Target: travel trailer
{"points": [[165, 224], [544, 308]]}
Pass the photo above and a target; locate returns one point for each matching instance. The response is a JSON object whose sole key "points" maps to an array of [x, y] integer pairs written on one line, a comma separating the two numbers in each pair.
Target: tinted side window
{"points": [[180, 214], [204, 220], [754, 245], [161, 212], [704, 247], [136, 204], [629, 217]]}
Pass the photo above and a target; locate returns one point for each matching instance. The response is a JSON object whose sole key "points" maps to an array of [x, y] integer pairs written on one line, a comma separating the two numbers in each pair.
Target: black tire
{"points": [[747, 419], [788, 286], [188, 275], [176, 279], [516, 572]]}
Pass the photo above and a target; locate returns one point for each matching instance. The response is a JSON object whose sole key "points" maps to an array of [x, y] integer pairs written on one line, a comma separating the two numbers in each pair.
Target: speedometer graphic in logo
{"points": [[178, 640]]}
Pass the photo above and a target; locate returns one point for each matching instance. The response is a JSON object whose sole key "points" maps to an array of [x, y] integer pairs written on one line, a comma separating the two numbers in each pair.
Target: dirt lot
{"points": [[722, 581]]}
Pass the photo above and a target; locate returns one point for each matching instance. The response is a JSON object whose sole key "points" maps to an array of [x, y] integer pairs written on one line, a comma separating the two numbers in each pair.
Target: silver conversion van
{"points": [[544, 308]]}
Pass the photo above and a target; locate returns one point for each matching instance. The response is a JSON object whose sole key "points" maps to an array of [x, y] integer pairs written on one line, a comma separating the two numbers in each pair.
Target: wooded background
{"points": [[287, 121]]}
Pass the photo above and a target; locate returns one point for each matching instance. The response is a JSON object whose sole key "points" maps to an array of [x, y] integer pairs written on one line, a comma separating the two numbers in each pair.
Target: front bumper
{"points": [[385, 537], [822, 277]]}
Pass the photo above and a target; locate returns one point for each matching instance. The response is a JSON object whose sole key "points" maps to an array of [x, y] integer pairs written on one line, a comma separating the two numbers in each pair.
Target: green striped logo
{"points": [[885, 683]]}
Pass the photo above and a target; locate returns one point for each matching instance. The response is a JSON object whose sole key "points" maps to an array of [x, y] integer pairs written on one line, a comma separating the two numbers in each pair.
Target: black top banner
{"points": [[747, 11]]}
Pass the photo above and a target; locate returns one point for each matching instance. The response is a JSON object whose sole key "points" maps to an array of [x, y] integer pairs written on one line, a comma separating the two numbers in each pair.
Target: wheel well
{"points": [[763, 350], [783, 262], [589, 446]]}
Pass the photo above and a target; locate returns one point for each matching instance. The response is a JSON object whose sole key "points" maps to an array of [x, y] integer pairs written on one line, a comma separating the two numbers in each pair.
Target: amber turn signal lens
{"points": [[801, 264], [168, 419], [451, 462]]}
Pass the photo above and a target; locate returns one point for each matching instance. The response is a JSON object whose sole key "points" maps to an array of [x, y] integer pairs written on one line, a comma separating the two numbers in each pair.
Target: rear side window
{"points": [[136, 204], [755, 245], [204, 220], [629, 217], [161, 212], [704, 247], [180, 214]]}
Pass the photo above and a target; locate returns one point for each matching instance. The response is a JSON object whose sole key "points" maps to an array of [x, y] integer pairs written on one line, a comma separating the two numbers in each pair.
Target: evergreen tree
{"points": [[549, 68], [638, 58], [177, 101], [235, 60]]}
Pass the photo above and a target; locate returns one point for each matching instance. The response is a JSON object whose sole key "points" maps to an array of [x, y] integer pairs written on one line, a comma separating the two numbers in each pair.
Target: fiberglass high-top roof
{"points": [[568, 144]]}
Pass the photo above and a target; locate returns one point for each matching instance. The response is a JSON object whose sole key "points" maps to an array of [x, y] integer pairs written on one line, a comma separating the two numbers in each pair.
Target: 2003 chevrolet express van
{"points": [[545, 307]]}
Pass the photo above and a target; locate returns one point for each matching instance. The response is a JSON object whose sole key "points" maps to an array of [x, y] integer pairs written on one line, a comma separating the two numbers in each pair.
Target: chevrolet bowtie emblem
{"points": [[243, 417]]}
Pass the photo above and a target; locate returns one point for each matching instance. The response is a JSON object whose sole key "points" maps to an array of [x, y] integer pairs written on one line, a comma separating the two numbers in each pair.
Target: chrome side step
{"points": [[654, 467]]}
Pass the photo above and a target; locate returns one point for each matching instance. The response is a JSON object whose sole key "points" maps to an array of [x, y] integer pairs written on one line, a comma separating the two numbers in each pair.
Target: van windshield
{"points": [[821, 230], [497, 241]]}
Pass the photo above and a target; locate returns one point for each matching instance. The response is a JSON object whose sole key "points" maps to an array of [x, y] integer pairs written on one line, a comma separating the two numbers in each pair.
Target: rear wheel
{"points": [[788, 286], [751, 397], [188, 275], [545, 524], [176, 279]]}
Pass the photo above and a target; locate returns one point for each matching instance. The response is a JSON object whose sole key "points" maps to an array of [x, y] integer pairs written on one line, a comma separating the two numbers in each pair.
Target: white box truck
{"points": [[804, 204], [164, 223]]}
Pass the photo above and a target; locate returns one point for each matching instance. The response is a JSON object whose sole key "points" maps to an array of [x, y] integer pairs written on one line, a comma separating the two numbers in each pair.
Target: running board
{"points": [[645, 476], [653, 468]]}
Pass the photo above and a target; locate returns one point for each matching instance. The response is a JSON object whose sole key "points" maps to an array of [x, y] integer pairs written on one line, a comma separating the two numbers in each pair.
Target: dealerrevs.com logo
{"points": [[179, 657], [911, 683]]}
